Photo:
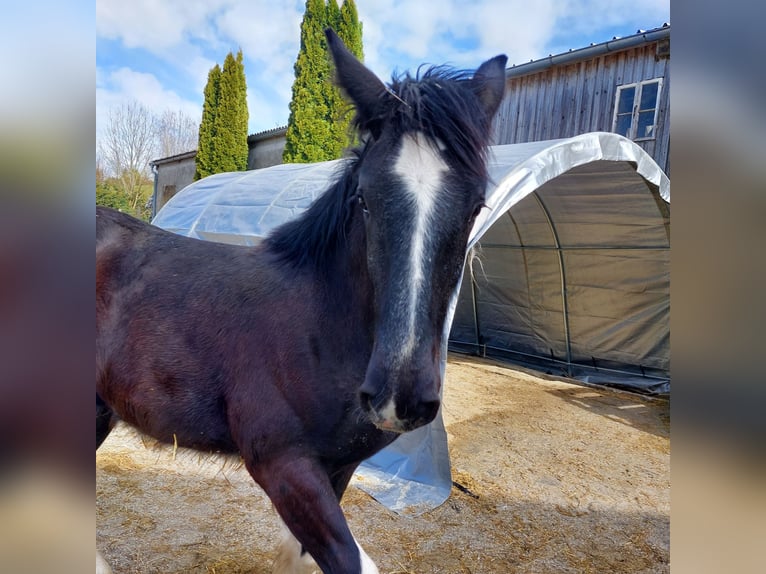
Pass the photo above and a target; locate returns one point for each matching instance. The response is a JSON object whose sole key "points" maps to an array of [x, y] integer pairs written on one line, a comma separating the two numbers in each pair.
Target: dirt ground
{"points": [[554, 478]]}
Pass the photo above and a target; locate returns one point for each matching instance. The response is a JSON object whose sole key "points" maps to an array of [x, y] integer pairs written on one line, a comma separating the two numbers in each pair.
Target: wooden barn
{"points": [[619, 86]]}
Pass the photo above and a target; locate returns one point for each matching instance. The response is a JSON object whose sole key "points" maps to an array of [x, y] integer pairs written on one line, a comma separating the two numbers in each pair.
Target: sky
{"points": [[159, 52]]}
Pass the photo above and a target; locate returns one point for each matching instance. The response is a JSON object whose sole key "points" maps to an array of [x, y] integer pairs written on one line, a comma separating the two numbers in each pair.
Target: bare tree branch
{"points": [[128, 145], [176, 133]]}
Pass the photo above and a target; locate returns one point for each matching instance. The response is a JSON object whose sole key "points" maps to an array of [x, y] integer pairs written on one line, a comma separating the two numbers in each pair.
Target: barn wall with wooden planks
{"points": [[567, 95]]}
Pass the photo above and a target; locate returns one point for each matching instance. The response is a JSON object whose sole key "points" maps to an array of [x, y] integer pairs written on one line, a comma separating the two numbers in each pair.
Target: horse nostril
{"points": [[366, 399], [427, 410], [372, 389]]}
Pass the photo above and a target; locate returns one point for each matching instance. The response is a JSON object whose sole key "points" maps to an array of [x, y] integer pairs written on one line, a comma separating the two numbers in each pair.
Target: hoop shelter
{"points": [[569, 266], [568, 272]]}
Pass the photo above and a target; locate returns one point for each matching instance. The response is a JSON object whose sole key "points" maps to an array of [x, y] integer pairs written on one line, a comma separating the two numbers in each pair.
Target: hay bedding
{"points": [[549, 477]]}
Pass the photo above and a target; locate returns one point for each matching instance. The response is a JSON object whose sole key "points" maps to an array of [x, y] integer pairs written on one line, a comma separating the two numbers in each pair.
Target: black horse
{"points": [[314, 350]]}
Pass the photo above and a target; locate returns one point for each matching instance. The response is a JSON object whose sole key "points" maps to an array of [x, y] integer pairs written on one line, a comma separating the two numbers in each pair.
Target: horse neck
{"points": [[346, 287], [323, 256]]}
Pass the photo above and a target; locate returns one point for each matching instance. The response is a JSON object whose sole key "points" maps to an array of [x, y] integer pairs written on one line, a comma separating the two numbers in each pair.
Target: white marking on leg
{"points": [[102, 567], [290, 558], [368, 566], [421, 168]]}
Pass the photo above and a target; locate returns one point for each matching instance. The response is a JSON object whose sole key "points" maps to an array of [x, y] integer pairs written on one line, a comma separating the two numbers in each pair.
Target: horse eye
{"points": [[477, 209], [363, 204]]}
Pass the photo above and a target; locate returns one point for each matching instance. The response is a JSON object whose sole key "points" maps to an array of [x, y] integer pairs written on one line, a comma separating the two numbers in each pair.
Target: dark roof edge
{"points": [[266, 134], [252, 138], [589, 52], [177, 157]]}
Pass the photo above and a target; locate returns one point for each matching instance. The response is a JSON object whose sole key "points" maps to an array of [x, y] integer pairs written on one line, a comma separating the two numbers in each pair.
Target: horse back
{"points": [[158, 346]]}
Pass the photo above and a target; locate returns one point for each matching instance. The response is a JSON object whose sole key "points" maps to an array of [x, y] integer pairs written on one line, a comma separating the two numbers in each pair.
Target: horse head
{"points": [[420, 184]]}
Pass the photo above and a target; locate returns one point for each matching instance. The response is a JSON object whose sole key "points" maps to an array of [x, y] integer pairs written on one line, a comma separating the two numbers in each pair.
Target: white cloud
{"points": [[269, 94], [190, 37], [125, 85], [418, 32], [500, 29], [155, 26], [587, 16], [187, 37], [266, 111], [410, 32], [269, 35], [266, 31]]}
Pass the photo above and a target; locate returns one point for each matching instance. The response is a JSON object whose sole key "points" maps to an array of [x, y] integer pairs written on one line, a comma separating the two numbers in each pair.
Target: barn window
{"points": [[635, 109]]}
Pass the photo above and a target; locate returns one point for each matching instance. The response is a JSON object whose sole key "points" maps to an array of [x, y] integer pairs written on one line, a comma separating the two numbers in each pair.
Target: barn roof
{"points": [[616, 44], [173, 158]]}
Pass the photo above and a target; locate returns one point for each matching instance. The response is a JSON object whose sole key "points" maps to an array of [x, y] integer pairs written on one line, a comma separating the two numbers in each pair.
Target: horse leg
{"points": [[292, 557], [105, 420], [339, 481], [305, 499]]}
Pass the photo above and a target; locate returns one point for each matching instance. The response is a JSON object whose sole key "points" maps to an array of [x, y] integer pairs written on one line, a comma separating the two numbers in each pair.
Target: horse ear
{"points": [[363, 87], [489, 83]]}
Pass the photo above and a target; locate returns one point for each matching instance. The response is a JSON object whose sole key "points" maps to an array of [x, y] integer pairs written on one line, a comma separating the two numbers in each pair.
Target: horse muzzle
{"points": [[400, 400]]}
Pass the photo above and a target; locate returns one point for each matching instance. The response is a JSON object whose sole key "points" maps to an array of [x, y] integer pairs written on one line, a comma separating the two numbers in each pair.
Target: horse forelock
{"points": [[440, 103]]}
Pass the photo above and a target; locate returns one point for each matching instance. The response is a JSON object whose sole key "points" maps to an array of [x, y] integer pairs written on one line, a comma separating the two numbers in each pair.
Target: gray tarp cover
{"points": [[568, 273]]}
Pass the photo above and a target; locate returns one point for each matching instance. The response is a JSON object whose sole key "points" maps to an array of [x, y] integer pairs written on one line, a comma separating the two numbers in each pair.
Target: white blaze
{"points": [[421, 168]]}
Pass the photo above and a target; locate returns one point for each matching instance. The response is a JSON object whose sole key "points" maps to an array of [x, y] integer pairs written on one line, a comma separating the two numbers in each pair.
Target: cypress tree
{"points": [[205, 160], [222, 142], [333, 14], [231, 117], [331, 94], [318, 126], [349, 30], [308, 126]]}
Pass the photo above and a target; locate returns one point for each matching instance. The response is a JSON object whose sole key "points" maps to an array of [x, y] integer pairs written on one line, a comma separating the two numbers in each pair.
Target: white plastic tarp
{"points": [[573, 259]]}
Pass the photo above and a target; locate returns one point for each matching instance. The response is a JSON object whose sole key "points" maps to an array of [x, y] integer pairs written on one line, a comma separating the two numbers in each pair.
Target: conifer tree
{"points": [[231, 117], [349, 30], [317, 129], [205, 158], [222, 142], [308, 127], [333, 14]]}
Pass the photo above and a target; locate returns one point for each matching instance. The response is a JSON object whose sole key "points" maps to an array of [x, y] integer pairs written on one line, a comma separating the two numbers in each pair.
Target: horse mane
{"points": [[439, 103], [318, 232]]}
